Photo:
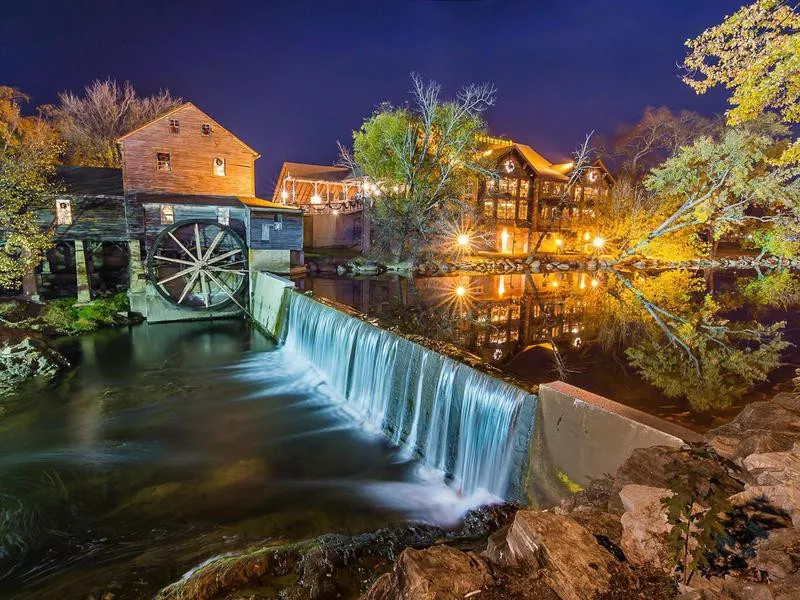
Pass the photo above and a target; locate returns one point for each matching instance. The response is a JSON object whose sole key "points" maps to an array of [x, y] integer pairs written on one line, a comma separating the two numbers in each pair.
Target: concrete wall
{"points": [[276, 261], [585, 436], [149, 303], [267, 304]]}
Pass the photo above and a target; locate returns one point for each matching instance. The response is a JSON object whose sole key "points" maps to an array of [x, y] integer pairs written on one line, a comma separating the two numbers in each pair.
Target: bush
{"points": [[66, 317]]}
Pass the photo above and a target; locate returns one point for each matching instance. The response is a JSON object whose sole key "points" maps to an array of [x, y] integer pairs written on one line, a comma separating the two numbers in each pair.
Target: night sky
{"points": [[291, 78]]}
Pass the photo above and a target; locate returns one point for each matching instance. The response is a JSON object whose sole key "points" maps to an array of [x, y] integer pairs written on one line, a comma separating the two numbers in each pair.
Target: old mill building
{"points": [[528, 196], [178, 225]]}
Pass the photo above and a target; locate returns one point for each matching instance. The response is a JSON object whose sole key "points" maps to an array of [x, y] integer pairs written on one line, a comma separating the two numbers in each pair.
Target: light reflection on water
{"points": [[513, 322], [171, 443]]}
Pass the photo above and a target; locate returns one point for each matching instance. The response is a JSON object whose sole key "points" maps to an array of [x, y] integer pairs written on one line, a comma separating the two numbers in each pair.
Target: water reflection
{"points": [[172, 443], [618, 334]]}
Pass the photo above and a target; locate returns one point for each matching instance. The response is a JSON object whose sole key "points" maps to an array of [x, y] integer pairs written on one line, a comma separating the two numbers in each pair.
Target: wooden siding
{"points": [[290, 236], [191, 155], [99, 218], [152, 225]]}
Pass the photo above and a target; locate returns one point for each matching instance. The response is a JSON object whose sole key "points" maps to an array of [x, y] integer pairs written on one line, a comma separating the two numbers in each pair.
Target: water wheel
{"points": [[198, 265]]}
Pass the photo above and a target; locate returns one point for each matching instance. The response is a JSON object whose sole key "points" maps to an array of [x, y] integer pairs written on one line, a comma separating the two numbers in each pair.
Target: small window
{"points": [[167, 214], [223, 215], [278, 222], [63, 212], [174, 126], [219, 167], [163, 162], [205, 129], [265, 232]]}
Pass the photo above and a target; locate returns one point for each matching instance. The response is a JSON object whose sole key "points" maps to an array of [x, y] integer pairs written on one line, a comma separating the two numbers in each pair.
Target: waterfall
{"points": [[470, 425]]}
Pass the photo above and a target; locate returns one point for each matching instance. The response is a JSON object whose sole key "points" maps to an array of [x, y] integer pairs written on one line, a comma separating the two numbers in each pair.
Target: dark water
{"points": [[172, 443], [513, 322]]}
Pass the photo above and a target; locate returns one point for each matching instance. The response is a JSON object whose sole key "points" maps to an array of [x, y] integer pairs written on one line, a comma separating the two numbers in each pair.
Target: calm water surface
{"points": [[171, 443], [512, 322]]}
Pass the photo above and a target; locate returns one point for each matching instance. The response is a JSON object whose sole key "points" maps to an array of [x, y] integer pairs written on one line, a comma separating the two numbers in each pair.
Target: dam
{"points": [[484, 433]]}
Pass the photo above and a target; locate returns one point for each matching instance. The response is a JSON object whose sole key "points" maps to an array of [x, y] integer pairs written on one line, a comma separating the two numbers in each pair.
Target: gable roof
{"points": [[317, 172], [179, 108]]}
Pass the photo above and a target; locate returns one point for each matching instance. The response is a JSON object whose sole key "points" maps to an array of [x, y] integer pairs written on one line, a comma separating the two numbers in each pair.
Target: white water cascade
{"points": [[470, 425]]}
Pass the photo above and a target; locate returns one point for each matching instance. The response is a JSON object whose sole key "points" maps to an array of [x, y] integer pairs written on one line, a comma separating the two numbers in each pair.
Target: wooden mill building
{"points": [[181, 167]]}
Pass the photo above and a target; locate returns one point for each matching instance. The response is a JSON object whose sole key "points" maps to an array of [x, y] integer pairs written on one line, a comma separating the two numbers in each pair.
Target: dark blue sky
{"points": [[291, 78]]}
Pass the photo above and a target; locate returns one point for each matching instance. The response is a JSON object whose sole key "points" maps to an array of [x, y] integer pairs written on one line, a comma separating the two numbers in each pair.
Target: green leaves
{"points": [[29, 149]]}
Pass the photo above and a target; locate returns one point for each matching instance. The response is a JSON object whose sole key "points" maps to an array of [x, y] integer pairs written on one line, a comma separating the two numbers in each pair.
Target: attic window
{"points": [[167, 214], [219, 167], [205, 129], [63, 212], [163, 162], [174, 126]]}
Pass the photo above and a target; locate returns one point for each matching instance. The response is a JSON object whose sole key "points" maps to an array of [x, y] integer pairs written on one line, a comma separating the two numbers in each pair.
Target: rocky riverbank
{"points": [[718, 520], [27, 329]]}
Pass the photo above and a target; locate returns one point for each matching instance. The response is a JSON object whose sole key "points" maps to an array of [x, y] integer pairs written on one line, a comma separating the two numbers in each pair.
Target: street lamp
{"points": [[598, 242], [462, 240]]}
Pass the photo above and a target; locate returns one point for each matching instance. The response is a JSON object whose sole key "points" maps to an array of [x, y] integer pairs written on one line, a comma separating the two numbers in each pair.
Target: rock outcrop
{"points": [[436, 573], [571, 561], [644, 525], [25, 359]]}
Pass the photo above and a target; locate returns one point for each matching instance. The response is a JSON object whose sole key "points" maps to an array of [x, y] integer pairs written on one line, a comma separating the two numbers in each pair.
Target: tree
{"points": [[719, 185], [92, 123], [658, 135], [755, 53], [29, 149], [421, 159]]}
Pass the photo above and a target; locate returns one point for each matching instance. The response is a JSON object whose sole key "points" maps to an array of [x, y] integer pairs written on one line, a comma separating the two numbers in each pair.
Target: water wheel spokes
{"points": [[199, 265]]}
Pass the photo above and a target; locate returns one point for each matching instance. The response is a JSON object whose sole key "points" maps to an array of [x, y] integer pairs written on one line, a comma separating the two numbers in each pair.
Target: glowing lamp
{"points": [[461, 291], [598, 242], [587, 236], [463, 239], [284, 195], [554, 284], [595, 283], [559, 243], [316, 199]]}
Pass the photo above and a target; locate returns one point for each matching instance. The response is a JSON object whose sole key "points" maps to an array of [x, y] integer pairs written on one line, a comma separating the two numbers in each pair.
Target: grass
{"points": [[65, 316]]}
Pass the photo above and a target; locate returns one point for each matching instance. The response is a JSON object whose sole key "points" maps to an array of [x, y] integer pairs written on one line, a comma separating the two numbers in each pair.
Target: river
{"points": [[168, 444]]}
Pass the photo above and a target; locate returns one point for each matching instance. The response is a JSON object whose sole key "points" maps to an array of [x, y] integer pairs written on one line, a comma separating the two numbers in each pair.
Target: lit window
{"points": [[167, 214], [163, 162], [505, 209], [63, 212], [223, 215], [265, 232], [524, 186], [205, 129], [277, 221], [174, 126], [488, 208], [219, 167], [514, 312], [523, 210]]}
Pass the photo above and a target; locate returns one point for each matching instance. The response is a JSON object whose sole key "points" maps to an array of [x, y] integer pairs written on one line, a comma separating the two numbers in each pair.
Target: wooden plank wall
{"points": [[290, 236], [192, 155]]}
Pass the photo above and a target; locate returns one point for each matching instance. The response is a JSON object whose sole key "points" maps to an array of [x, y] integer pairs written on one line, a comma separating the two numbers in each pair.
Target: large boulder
{"points": [[573, 564], [774, 468], [436, 573], [26, 358], [656, 466], [759, 428], [644, 526], [778, 555], [785, 498]]}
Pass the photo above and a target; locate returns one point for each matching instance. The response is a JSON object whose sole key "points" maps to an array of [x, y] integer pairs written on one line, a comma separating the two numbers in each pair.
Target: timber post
{"points": [[81, 273]]}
